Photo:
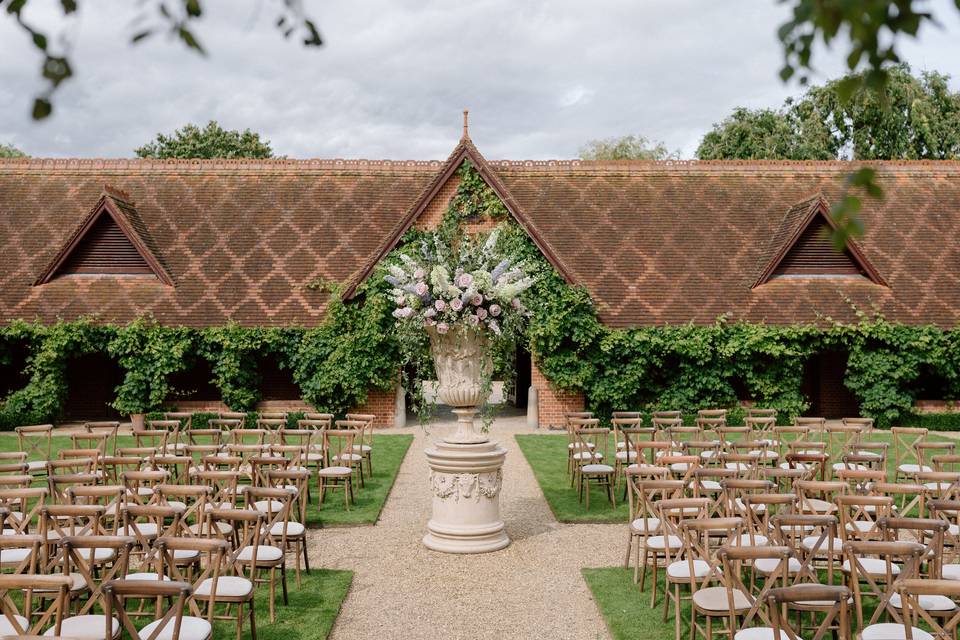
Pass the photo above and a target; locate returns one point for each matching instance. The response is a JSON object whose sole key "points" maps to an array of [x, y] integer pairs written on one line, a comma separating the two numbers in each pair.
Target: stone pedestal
{"points": [[465, 480]]}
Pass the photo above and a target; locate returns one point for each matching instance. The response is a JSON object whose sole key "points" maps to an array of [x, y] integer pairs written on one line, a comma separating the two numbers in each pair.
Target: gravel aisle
{"points": [[533, 588]]}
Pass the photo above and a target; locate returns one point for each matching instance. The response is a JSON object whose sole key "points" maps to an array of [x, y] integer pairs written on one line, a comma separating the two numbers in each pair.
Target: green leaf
{"points": [[41, 108]]}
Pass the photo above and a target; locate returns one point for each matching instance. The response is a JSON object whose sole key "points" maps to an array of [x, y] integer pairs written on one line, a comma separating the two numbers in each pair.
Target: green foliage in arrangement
{"points": [[149, 354], [233, 350], [357, 349]]}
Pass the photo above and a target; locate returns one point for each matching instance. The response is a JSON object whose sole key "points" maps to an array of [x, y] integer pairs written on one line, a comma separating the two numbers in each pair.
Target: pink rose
{"points": [[476, 300], [464, 280], [442, 327], [481, 313], [516, 303], [439, 305], [456, 305], [429, 322], [419, 274], [429, 313], [422, 288], [472, 319], [495, 310]]}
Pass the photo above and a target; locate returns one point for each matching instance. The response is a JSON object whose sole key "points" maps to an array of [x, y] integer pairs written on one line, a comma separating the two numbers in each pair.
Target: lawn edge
{"points": [[346, 594]]}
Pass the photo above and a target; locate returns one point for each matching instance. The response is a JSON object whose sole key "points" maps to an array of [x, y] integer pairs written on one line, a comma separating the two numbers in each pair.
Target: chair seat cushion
{"points": [[760, 508], [769, 565], [294, 529], [870, 454], [746, 540], [661, 542], [146, 529], [796, 465], [335, 472], [928, 602], [146, 577], [892, 631], [186, 554], [264, 553], [681, 569], [715, 599], [838, 466], [810, 543], [90, 627], [951, 572], [77, 583], [710, 485], [626, 455], [679, 467], [759, 633], [98, 555], [200, 528], [7, 629], [36, 465], [14, 556], [191, 628], [230, 586], [936, 486], [588, 455], [819, 506], [737, 466], [596, 468], [350, 457], [363, 448], [873, 566], [268, 506], [912, 468], [641, 525], [577, 445]]}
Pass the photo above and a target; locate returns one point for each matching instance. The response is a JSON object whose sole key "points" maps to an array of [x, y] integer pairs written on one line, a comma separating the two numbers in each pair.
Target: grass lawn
{"points": [[388, 454], [626, 609], [310, 615], [547, 456]]}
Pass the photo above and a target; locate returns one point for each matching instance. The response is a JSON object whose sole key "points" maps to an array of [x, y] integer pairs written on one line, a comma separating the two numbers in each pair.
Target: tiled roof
{"points": [[653, 242], [676, 242]]}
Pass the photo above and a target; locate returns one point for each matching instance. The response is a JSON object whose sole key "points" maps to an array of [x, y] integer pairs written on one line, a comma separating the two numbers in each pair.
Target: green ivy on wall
{"points": [[355, 350]]}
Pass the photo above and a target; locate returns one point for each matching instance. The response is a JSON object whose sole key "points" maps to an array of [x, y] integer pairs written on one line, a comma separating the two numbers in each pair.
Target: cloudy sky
{"points": [[540, 78]]}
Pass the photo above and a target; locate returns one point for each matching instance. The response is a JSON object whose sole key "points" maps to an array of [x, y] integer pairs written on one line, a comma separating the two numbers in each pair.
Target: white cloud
{"points": [[540, 78]]}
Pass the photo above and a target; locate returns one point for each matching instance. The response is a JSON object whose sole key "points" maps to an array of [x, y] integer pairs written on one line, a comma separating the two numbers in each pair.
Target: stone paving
{"points": [[531, 589]]}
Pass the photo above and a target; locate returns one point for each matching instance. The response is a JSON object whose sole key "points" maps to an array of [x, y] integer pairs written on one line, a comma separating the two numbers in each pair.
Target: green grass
{"points": [[310, 615], [547, 456], [388, 453], [626, 609]]}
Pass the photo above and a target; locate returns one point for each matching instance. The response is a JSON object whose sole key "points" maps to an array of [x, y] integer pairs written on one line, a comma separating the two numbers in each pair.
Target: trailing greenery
{"points": [[356, 349]]}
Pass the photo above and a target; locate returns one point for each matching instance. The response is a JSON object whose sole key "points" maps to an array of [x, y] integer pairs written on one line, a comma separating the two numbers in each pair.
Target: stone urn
{"points": [[466, 467]]}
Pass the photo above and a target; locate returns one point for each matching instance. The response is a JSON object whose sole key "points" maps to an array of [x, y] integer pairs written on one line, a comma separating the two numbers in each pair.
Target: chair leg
{"points": [[626, 556], [653, 584], [283, 582], [306, 557], [253, 621], [273, 594]]}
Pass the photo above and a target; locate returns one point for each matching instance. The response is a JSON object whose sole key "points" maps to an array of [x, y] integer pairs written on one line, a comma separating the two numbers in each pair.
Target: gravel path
{"points": [[533, 588]]}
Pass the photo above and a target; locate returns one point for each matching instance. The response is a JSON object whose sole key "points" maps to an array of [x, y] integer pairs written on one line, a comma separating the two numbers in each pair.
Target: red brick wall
{"points": [[551, 403], [382, 404], [431, 216]]}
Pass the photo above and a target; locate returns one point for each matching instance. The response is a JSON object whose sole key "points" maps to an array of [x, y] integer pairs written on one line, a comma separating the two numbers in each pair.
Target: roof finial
{"points": [[466, 125]]}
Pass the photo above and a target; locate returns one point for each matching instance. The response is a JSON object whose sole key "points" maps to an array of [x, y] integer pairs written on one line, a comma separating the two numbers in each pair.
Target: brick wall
{"points": [[382, 404], [551, 403], [431, 216]]}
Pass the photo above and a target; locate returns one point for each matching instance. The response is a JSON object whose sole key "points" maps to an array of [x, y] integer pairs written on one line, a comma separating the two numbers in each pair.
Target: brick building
{"points": [[206, 242]]}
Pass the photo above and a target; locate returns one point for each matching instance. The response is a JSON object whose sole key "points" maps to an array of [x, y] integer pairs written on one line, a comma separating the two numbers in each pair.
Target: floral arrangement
{"points": [[472, 286]]}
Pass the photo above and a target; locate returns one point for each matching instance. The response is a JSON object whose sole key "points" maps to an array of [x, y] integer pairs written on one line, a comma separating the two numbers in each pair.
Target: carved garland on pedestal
{"points": [[466, 485]]}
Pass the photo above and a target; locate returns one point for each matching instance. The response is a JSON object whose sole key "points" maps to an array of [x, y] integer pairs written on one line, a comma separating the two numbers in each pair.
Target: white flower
{"points": [[492, 324], [419, 274], [429, 313]]}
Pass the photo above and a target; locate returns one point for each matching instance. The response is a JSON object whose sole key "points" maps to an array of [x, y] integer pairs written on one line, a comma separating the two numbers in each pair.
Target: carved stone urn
{"points": [[466, 467]]}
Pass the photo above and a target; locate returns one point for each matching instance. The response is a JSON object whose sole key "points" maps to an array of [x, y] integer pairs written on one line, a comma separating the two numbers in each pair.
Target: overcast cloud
{"points": [[539, 78]]}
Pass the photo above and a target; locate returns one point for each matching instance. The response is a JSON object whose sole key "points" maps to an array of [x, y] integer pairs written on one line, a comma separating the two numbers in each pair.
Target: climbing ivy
{"points": [[355, 349]]}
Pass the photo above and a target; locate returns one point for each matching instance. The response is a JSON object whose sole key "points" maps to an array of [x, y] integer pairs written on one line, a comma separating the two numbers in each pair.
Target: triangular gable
{"points": [[799, 242], [463, 151], [112, 228]]}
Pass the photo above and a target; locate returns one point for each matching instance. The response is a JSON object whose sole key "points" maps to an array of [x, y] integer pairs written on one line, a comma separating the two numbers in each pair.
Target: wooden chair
{"points": [[36, 441], [859, 516], [220, 581], [696, 565], [734, 598], [293, 531], [813, 539], [365, 444], [81, 553], [949, 512], [669, 540], [645, 518], [927, 531], [247, 527], [26, 619], [337, 444], [874, 568], [21, 553], [907, 459], [275, 505], [591, 467], [916, 597], [108, 429], [837, 618], [169, 622]]}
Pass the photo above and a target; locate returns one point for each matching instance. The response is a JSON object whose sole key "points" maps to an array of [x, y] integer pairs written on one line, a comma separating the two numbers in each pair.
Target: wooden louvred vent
{"points": [[111, 240], [813, 254], [105, 249]]}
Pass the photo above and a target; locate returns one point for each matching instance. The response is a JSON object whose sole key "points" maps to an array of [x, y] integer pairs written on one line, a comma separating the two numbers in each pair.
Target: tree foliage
{"points": [[919, 119], [632, 147], [175, 18], [212, 141], [10, 151]]}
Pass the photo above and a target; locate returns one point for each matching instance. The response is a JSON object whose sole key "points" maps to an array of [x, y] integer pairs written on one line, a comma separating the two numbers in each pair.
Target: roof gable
{"points": [[800, 247], [111, 240], [464, 151]]}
